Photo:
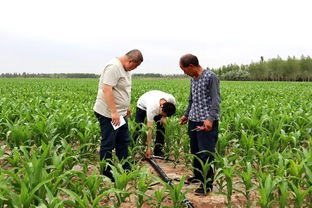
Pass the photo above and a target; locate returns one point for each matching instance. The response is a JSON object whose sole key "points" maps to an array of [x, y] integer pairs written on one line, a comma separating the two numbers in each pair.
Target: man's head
{"points": [[168, 109], [132, 59], [189, 64]]}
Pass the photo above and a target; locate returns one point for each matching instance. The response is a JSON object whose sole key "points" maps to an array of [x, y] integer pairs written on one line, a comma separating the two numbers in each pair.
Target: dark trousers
{"points": [[118, 139], [160, 139], [203, 140]]}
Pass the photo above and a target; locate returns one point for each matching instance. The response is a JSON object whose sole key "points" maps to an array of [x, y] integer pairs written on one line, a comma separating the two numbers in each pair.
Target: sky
{"points": [[74, 36]]}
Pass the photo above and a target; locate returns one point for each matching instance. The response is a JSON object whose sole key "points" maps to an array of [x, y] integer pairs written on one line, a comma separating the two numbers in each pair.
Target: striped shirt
{"points": [[204, 99]]}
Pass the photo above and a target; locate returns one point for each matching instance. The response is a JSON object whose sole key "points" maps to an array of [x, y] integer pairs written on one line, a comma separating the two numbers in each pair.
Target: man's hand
{"points": [[149, 139], [128, 112], [148, 153], [206, 127], [110, 101], [183, 120], [115, 118], [163, 120]]}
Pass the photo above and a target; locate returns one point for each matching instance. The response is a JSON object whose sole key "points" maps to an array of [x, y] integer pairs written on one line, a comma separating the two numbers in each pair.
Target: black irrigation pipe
{"points": [[165, 178]]}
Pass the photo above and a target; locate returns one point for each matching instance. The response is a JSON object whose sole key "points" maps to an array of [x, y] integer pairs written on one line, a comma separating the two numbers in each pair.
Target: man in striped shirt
{"points": [[202, 115]]}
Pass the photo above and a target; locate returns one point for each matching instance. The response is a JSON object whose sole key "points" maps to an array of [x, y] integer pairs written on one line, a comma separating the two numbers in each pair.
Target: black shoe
{"points": [[109, 175], [159, 154], [112, 179], [201, 191]]}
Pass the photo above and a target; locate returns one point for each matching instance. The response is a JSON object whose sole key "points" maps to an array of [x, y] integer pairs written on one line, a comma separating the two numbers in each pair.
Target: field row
{"points": [[47, 127]]}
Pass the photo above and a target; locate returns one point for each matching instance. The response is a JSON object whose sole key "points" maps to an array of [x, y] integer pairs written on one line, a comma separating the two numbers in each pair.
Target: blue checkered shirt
{"points": [[204, 99]]}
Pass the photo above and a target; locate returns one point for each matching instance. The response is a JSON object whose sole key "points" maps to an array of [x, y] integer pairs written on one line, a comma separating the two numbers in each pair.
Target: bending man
{"points": [[154, 105]]}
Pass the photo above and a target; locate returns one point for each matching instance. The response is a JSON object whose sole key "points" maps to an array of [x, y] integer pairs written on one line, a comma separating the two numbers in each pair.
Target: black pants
{"points": [[203, 140], [118, 139], [160, 139]]}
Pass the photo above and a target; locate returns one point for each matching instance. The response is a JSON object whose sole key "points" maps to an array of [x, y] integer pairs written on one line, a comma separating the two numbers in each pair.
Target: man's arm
{"points": [[110, 101], [149, 139], [215, 105], [215, 99]]}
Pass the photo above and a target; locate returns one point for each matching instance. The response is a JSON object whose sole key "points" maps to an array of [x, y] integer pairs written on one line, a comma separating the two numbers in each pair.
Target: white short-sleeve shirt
{"points": [[149, 102], [116, 76]]}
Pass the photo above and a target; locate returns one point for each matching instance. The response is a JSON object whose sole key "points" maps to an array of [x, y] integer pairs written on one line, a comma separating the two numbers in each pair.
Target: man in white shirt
{"points": [[155, 106], [112, 102]]}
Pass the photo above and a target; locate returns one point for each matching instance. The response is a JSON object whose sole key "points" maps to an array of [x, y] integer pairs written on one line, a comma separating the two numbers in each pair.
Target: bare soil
{"points": [[212, 200]]}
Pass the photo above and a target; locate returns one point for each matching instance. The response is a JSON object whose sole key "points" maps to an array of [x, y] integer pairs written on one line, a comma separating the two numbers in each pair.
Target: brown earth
{"points": [[212, 200]]}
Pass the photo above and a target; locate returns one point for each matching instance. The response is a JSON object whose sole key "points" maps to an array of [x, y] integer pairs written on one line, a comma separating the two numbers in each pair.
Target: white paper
{"points": [[122, 122]]}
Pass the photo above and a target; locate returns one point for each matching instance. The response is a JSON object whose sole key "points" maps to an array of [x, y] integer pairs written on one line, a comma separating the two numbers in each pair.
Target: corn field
{"points": [[49, 143]]}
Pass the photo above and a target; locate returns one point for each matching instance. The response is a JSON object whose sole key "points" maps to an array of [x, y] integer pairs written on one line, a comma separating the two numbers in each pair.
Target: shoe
{"points": [[111, 178], [159, 154], [109, 175], [201, 191], [192, 180]]}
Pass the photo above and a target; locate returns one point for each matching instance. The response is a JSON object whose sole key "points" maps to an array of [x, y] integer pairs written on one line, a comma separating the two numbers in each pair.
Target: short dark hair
{"points": [[189, 59], [135, 55], [169, 108]]}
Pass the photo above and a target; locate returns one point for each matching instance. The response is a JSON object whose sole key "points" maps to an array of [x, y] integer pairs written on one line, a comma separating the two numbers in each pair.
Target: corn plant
{"points": [[121, 185], [228, 172], [3, 155], [308, 174], [77, 200], [176, 193], [143, 182], [219, 180], [42, 129], [159, 195], [135, 151], [22, 195], [186, 149], [138, 132], [284, 193], [61, 162], [51, 200], [247, 180], [247, 145], [299, 194], [81, 189], [5, 191], [223, 141], [173, 140], [296, 171], [204, 170], [18, 134], [266, 189]]}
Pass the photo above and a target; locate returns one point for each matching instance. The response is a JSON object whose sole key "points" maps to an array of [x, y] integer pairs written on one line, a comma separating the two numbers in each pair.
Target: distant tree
{"points": [[275, 69], [306, 68], [236, 75]]}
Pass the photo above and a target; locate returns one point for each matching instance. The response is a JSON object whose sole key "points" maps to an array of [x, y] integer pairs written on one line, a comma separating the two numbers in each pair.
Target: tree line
{"points": [[54, 75], [275, 69], [157, 75], [85, 75]]}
